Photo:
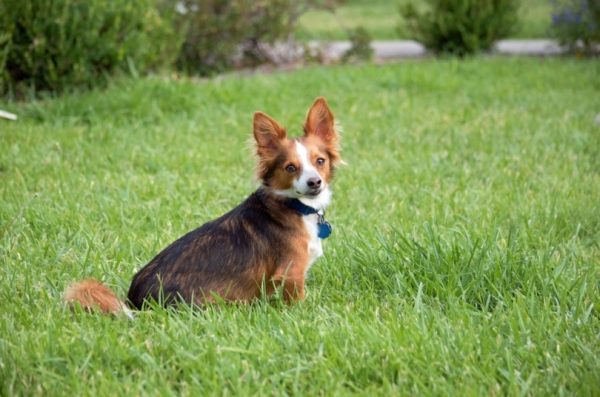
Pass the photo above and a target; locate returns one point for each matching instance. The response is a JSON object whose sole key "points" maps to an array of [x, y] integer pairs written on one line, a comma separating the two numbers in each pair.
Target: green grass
{"points": [[381, 18], [464, 260], [535, 20]]}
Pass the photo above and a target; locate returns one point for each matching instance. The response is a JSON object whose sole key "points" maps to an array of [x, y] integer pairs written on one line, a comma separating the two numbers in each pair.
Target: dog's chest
{"points": [[315, 249]]}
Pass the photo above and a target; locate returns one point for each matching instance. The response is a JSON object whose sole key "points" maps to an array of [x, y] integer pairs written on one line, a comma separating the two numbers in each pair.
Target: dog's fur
{"points": [[261, 245]]}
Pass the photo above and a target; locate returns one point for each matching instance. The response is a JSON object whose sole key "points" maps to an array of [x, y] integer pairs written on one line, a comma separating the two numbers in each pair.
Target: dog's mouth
{"points": [[311, 192]]}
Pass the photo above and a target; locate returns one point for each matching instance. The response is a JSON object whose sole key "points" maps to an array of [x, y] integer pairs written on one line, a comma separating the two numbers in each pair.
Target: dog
{"points": [[266, 244]]}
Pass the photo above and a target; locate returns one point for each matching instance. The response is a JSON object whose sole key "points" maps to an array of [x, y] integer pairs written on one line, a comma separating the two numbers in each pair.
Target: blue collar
{"points": [[299, 206], [325, 228]]}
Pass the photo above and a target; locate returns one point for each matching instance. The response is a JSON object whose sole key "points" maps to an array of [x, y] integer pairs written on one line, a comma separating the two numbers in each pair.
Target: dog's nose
{"points": [[314, 183]]}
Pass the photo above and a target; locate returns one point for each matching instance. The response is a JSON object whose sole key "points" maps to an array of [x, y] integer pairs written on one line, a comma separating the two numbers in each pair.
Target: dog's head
{"points": [[302, 167]]}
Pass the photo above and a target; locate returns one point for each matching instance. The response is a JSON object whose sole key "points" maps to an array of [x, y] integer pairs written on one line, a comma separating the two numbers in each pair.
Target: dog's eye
{"points": [[290, 168], [320, 161]]}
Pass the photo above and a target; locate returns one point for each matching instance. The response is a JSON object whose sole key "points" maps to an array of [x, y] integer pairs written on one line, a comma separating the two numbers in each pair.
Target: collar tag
{"points": [[325, 229]]}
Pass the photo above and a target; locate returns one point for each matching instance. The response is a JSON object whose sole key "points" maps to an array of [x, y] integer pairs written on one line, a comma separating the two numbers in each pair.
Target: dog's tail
{"points": [[92, 295]]}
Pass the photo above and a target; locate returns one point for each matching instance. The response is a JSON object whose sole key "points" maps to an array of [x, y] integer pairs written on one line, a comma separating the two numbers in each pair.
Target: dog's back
{"points": [[232, 257]]}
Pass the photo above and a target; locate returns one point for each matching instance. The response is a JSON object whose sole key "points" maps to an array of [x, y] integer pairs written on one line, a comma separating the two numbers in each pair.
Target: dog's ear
{"points": [[267, 132], [319, 122]]}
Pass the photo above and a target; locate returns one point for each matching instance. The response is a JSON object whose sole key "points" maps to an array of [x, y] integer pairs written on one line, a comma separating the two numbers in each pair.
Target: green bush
{"points": [[222, 33], [460, 26], [576, 23], [4, 40], [58, 44], [360, 49]]}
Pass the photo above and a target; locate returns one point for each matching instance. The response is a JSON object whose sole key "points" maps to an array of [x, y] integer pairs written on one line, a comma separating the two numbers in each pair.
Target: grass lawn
{"points": [[464, 260], [381, 18]]}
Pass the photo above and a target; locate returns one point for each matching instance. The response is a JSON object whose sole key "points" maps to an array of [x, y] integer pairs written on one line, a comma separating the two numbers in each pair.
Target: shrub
{"points": [[220, 34], [4, 40], [217, 33], [576, 23], [58, 44], [360, 49], [460, 26]]}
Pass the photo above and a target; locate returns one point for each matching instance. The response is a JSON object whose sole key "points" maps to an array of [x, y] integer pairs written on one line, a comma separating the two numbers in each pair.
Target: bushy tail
{"points": [[93, 295]]}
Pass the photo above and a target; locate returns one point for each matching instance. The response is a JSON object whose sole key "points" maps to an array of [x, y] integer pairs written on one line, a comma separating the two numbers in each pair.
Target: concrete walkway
{"points": [[399, 49], [538, 47]]}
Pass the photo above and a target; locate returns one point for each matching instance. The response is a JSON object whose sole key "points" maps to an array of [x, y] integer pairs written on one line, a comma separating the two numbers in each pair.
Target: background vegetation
{"points": [[577, 24], [57, 46], [381, 18], [220, 34], [460, 27], [67, 44], [464, 260]]}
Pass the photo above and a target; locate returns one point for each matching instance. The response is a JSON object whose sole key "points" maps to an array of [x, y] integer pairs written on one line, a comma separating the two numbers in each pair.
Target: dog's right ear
{"points": [[267, 132]]}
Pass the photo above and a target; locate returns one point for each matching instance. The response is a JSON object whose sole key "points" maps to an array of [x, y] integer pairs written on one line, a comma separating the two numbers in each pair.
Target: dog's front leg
{"points": [[292, 284]]}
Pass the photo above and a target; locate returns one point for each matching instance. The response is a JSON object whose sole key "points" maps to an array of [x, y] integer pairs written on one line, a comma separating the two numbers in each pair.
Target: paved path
{"points": [[538, 47], [399, 49]]}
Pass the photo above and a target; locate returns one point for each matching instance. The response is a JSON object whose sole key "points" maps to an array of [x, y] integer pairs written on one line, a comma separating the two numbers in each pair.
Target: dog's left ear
{"points": [[319, 122]]}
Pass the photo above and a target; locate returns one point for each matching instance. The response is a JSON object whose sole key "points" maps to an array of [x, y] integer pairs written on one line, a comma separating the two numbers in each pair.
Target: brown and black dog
{"points": [[267, 242]]}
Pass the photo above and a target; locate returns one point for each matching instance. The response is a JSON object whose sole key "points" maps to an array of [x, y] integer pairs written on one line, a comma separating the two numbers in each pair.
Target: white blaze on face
{"points": [[308, 170], [300, 185]]}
